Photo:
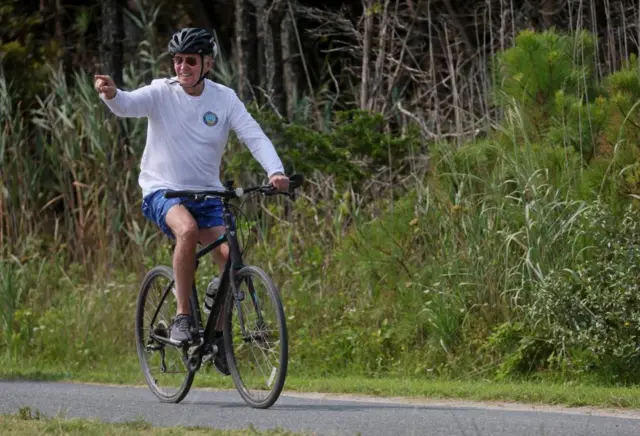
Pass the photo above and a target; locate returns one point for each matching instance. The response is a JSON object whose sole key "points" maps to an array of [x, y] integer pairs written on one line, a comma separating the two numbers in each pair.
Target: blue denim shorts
{"points": [[207, 213]]}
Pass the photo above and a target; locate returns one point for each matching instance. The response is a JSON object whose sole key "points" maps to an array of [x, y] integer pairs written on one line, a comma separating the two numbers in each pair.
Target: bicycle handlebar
{"points": [[294, 182]]}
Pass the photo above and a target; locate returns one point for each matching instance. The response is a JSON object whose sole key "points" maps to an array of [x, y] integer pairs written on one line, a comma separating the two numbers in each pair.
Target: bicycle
{"points": [[257, 333]]}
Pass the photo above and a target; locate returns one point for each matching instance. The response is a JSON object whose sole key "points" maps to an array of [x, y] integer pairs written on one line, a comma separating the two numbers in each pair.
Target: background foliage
{"points": [[498, 239]]}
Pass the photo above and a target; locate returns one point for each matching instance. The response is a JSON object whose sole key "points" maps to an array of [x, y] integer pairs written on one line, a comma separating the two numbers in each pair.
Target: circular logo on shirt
{"points": [[210, 119]]}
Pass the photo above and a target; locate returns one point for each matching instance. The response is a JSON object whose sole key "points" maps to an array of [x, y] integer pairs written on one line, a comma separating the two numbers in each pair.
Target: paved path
{"points": [[320, 414]]}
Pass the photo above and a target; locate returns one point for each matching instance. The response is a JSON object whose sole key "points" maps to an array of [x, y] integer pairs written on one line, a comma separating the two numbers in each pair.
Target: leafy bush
{"points": [[519, 349], [356, 146], [541, 64], [577, 124], [547, 79], [538, 67], [551, 100], [623, 90], [595, 306]]}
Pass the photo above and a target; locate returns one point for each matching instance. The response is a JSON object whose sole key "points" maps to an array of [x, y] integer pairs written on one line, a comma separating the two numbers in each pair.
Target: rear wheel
{"points": [[162, 365], [255, 338]]}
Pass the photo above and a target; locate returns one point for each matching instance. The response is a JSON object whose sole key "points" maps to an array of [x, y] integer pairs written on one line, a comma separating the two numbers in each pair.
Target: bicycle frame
{"points": [[235, 304], [234, 263], [228, 279]]}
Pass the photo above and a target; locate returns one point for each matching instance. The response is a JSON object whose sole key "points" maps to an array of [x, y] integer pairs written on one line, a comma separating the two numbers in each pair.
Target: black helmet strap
{"points": [[201, 69]]}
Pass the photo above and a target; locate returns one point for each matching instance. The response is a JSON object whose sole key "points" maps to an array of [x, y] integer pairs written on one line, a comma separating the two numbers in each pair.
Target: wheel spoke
{"points": [[260, 354], [162, 365]]}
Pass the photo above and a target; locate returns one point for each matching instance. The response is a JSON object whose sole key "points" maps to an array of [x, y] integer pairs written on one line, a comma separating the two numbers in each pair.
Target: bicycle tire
{"points": [[143, 340], [275, 381]]}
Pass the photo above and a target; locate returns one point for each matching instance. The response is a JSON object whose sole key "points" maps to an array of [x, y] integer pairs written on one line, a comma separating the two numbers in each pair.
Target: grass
{"points": [[27, 422], [542, 392]]}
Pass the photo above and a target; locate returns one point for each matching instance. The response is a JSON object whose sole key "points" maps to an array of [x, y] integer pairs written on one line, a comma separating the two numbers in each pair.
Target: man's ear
{"points": [[208, 63]]}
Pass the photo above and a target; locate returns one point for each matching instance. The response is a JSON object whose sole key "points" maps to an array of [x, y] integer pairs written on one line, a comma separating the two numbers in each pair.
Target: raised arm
{"points": [[252, 135], [137, 103]]}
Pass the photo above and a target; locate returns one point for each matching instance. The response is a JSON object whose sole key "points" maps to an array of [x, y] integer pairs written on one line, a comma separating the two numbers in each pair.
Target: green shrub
{"points": [[577, 124], [595, 305], [623, 91], [520, 350], [356, 146], [538, 67]]}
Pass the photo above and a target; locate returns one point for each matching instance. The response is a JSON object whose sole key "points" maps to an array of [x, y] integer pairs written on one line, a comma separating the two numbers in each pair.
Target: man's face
{"points": [[188, 67]]}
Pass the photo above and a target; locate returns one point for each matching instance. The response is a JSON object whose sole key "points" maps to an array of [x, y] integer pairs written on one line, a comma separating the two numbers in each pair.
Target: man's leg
{"points": [[185, 230], [219, 255]]}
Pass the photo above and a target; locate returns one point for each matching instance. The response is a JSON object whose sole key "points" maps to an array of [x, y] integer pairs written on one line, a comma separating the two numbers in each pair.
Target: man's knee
{"points": [[182, 225], [224, 251], [187, 232]]}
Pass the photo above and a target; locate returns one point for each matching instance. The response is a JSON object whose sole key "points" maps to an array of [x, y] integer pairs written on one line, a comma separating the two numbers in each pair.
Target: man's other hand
{"points": [[280, 182], [105, 86]]}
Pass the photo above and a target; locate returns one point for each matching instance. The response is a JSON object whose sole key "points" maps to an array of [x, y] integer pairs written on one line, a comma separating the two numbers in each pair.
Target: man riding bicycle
{"points": [[189, 119]]}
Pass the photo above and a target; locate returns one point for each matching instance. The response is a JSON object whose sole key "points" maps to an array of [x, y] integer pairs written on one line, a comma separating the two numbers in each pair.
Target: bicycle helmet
{"points": [[193, 40], [196, 41]]}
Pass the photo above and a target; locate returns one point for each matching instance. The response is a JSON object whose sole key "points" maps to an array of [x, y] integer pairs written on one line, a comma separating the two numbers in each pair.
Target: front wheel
{"points": [[255, 338], [163, 365]]}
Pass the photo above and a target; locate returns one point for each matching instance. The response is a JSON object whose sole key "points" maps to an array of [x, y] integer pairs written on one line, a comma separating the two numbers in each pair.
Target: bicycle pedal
{"points": [[183, 344]]}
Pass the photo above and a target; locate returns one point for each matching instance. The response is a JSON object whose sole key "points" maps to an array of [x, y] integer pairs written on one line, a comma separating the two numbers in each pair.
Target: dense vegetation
{"points": [[507, 253]]}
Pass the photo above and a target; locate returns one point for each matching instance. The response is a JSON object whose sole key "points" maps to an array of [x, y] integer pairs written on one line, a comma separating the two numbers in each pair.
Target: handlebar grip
{"points": [[295, 181]]}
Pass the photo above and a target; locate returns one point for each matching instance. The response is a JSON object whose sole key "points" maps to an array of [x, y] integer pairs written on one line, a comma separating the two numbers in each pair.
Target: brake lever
{"points": [[267, 191], [273, 191]]}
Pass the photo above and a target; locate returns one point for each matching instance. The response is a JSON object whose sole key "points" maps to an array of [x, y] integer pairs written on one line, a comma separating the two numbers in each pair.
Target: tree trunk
{"points": [[261, 32], [276, 66], [383, 42], [249, 53], [240, 47], [269, 16], [112, 36], [368, 36], [451, 60], [290, 65]]}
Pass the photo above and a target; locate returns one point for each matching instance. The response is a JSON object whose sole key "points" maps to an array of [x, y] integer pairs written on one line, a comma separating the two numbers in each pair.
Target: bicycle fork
{"points": [[238, 298]]}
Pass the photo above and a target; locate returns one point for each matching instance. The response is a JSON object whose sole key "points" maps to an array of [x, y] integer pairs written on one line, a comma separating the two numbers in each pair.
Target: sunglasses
{"points": [[189, 60]]}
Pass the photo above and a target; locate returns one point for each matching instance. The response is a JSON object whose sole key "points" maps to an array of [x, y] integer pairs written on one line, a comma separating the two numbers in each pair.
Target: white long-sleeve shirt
{"points": [[187, 135]]}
